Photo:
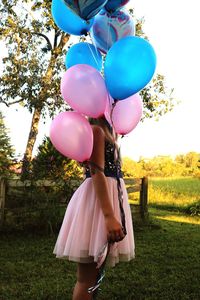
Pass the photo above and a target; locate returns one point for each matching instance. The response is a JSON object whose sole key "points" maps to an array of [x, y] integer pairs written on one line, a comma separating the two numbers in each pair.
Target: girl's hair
{"points": [[103, 123], [110, 134]]}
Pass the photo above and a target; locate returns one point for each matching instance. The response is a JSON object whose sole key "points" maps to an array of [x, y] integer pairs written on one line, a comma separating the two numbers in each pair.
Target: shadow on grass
{"points": [[166, 266], [173, 216], [192, 209]]}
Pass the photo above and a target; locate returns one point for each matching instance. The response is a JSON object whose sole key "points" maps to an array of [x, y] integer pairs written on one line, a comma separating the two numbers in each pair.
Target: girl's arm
{"points": [[114, 228]]}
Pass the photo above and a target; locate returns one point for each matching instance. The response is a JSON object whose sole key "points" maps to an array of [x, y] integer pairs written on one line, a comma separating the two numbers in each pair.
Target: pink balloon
{"points": [[84, 89], [71, 134], [127, 114]]}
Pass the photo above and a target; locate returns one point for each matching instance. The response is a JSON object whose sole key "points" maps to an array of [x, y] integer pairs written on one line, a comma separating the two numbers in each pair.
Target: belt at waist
{"points": [[107, 174]]}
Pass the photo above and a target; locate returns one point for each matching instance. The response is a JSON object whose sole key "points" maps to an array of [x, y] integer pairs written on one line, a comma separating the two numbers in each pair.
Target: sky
{"points": [[173, 30]]}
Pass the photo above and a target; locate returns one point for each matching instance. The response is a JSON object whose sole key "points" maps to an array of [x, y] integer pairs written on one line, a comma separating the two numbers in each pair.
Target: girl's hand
{"points": [[114, 229]]}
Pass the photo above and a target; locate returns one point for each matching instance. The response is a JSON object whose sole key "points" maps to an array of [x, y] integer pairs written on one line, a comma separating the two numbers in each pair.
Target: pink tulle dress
{"points": [[83, 232]]}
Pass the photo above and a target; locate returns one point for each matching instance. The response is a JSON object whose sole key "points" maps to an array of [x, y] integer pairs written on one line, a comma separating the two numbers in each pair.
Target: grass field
{"points": [[174, 193], [166, 267]]}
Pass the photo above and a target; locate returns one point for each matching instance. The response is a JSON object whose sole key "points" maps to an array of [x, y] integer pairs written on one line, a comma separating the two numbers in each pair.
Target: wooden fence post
{"points": [[144, 198], [2, 200]]}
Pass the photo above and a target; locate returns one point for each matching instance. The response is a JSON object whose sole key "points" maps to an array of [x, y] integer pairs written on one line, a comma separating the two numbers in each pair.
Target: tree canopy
{"points": [[31, 74], [163, 166]]}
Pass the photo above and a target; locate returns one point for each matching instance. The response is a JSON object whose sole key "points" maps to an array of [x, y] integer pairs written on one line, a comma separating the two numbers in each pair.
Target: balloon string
{"points": [[97, 52], [93, 54], [108, 31], [94, 43]]}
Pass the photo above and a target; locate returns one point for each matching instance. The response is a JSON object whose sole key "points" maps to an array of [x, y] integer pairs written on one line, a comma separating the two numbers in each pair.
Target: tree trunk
{"points": [[47, 79], [31, 142]]}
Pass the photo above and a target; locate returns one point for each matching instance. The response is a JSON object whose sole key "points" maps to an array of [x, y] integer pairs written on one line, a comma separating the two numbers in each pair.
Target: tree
{"points": [[131, 168], [191, 160], [32, 70], [180, 158], [50, 164], [163, 166], [6, 149], [31, 74]]}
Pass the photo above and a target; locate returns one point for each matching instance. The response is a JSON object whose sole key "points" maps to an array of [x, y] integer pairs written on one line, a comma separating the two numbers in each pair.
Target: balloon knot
{"points": [[84, 32]]}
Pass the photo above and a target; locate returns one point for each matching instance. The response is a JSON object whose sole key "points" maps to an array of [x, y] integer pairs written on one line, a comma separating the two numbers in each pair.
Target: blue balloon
{"points": [[129, 66], [86, 9], [67, 21], [84, 53], [113, 5]]}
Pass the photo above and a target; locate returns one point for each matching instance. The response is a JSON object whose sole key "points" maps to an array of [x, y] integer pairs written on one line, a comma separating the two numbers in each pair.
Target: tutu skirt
{"points": [[83, 231]]}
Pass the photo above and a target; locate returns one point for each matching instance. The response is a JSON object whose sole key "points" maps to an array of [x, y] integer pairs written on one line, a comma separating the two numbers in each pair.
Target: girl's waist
{"points": [[107, 174]]}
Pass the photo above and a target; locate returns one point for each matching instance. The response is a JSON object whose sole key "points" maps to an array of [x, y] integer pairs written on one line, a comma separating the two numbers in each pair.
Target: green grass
{"points": [[174, 192], [188, 185], [167, 260], [166, 266]]}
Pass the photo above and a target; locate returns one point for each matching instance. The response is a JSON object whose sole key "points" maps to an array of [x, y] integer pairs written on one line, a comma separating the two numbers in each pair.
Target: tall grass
{"points": [[180, 193]]}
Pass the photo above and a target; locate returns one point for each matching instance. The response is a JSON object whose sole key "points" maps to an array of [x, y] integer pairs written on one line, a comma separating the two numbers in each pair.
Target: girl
{"points": [[96, 214]]}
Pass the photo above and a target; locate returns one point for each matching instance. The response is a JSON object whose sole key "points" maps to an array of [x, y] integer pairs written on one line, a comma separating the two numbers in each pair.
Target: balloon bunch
{"points": [[129, 65]]}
